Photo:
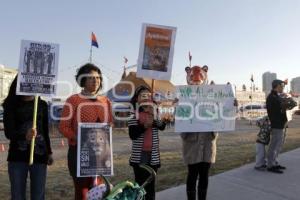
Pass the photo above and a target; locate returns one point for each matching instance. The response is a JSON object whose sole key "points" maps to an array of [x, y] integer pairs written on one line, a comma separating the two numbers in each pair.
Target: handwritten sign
{"points": [[205, 108]]}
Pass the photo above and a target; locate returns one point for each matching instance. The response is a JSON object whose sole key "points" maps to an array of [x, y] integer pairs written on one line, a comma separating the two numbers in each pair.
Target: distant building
{"points": [[295, 85], [267, 79], [7, 75], [244, 97]]}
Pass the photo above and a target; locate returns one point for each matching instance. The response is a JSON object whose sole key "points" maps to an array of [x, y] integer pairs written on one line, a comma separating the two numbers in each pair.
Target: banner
{"points": [[156, 52], [205, 108], [94, 150], [37, 68]]}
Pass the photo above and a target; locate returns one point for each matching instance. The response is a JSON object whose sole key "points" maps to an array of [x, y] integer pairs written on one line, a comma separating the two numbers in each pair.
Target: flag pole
{"points": [[91, 53], [190, 59], [152, 87]]}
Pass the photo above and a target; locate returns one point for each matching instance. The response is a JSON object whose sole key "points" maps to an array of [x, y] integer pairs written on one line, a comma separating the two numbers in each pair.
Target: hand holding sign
{"points": [[37, 76], [31, 133]]}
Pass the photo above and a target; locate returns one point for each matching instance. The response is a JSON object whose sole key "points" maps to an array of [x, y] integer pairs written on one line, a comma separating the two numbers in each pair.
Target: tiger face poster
{"points": [[156, 52]]}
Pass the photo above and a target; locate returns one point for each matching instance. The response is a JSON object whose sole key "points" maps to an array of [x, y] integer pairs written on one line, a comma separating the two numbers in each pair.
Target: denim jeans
{"points": [[18, 172]]}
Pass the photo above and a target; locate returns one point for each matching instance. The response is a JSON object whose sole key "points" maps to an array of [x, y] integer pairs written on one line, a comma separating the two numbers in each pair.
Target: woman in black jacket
{"points": [[18, 118], [143, 130]]}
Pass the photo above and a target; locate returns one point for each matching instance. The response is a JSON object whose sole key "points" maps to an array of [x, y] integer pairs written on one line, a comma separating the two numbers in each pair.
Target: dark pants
{"points": [[198, 171], [81, 184], [18, 172], [141, 175]]}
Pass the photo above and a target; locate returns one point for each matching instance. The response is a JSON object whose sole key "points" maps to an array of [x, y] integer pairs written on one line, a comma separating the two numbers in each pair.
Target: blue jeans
{"points": [[18, 172]]}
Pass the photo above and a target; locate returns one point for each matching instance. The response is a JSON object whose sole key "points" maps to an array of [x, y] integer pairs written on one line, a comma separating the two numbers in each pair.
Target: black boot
{"points": [[202, 194], [191, 195]]}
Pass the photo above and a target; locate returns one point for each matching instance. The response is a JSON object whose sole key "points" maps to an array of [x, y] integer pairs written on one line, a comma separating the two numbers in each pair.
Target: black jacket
{"points": [[17, 120], [276, 113]]}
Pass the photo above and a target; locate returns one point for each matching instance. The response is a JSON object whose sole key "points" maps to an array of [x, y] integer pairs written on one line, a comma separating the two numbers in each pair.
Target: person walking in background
{"points": [[278, 119], [18, 121], [143, 131], [263, 140], [86, 107]]}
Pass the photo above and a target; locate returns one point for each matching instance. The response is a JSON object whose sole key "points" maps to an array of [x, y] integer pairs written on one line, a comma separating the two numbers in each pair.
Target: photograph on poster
{"points": [[94, 150]]}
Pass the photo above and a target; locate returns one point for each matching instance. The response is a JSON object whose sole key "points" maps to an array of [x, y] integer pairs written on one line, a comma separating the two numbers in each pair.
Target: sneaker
{"points": [[280, 167], [261, 168], [274, 169]]}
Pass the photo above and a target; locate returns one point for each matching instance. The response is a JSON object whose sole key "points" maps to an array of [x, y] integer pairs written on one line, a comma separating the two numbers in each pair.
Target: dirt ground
{"points": [[234, 149]]}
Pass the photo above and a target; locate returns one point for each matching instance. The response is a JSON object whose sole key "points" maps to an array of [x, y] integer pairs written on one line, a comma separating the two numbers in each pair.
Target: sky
{"points": [[235, 38]]}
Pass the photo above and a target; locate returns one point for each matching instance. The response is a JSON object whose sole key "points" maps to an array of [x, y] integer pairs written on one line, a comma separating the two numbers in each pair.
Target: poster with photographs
{"points": [[37, 68], [156, 52], [94, 150]]}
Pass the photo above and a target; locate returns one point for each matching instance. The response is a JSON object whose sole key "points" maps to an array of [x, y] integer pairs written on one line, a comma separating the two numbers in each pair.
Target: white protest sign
{"points": [[38, 68], [205, 108], [156, 52]]}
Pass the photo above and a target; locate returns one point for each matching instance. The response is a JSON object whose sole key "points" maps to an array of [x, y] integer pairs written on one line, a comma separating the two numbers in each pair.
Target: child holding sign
{"points": [[143, 130], [18, 116]]}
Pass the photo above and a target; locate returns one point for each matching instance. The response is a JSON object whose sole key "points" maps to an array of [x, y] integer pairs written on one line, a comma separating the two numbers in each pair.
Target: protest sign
{"points": [[94, 150], [205, 108], [156, 52], [37, 68]]}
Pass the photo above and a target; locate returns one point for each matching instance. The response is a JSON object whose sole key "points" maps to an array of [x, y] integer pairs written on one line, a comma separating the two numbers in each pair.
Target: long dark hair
{"points": [[12, 98]]}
